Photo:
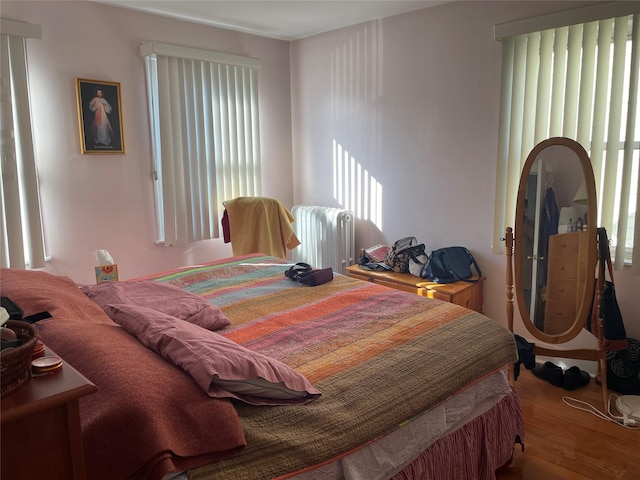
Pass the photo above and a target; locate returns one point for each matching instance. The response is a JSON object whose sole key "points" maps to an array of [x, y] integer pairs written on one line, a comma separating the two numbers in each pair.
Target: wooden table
{"points": [[466, 294], [41, 437]]}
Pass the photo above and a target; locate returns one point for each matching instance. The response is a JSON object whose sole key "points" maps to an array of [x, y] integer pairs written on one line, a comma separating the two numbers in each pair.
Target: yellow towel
{"points": [[260, 225]]}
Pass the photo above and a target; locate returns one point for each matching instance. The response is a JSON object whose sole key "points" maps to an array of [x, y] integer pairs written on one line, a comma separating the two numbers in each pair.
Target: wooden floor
{"points": [[565, 443]]}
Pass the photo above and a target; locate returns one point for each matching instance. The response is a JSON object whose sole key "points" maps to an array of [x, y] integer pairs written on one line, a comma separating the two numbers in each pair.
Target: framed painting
{"points": [[99, 116]]}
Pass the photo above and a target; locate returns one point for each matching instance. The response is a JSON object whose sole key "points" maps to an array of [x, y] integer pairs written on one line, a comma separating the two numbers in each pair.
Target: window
{"points": [[578, 81], [21, 240], [203, 109]]}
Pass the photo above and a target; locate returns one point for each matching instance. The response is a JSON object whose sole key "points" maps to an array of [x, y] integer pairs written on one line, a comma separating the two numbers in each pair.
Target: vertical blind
{"points": [[580, 82], [21, 225], [205, 132]]}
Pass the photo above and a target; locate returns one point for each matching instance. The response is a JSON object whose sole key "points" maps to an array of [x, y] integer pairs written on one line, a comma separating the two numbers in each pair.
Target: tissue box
{"points": [[107, 273]]}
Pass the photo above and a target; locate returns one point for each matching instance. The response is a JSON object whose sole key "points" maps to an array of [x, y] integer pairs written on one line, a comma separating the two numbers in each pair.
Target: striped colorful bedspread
{"points": [[379, 356]]}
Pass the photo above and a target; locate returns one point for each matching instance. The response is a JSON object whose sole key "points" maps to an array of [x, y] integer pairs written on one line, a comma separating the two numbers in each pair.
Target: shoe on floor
{"points": [[574, 378], [549, 372]]}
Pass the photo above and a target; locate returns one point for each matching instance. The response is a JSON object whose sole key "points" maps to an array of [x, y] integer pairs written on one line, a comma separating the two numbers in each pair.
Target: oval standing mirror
{"points": [[555, 240]]}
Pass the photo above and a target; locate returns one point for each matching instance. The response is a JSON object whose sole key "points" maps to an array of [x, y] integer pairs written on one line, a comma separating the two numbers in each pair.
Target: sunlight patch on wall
{"points": [[355, 188], [356, 87]]}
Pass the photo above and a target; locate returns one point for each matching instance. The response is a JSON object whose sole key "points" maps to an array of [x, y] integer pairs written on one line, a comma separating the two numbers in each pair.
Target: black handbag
{"points": [[450, 264], [610, 318], [304, 274]]}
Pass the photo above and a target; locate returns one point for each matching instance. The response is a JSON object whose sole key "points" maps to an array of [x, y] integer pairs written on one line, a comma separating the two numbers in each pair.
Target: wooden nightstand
{"points": [[466, 294], [41, 435]]}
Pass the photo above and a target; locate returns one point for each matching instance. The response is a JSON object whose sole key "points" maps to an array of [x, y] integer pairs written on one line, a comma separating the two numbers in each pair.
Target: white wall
{"points": [[106, 201], [413, 101]]}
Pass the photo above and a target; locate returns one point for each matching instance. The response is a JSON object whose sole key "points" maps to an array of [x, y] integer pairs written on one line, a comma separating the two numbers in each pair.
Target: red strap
{"points": [[226, 232]]}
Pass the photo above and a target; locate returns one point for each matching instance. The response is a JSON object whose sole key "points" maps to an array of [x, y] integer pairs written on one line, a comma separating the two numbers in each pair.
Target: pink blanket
{"points": [[148, 417]]}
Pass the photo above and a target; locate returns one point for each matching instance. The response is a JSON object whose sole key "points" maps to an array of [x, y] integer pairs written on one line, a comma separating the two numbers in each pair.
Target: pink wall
{"points": [[106, 201], [413, 101]]}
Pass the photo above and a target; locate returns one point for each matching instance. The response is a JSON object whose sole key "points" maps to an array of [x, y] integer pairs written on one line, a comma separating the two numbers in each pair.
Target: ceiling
{"points": [[280, 19]]}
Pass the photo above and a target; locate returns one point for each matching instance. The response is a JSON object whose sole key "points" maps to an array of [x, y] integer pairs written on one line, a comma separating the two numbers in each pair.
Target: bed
{"points": [[389, 384]]}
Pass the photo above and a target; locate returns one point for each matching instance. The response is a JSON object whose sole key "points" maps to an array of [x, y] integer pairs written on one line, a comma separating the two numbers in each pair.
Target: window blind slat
{"points": [[238, 80], [503, 209], [232, 131], [587, 83], [601, 97], [530, 90], [203, 167], [217, 131], [609, 204], [179, 155], [255, 128], [558, 81], [189, 151], [544, 86], [572, 85]]}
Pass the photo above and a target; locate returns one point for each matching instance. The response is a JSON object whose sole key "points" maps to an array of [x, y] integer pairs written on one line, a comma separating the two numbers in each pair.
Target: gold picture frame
{"points": [[99, 116]]}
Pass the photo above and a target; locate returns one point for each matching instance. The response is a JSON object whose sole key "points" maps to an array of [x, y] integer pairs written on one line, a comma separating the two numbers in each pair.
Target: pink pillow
{"points": [[220, 366], [161, 297]]}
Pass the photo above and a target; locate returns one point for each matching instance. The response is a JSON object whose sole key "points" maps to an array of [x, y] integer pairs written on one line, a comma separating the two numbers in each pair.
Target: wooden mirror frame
{"points": [[598, 354]]}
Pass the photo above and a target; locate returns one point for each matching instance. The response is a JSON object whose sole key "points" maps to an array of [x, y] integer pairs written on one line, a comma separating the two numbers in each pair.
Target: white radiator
{"points": [[327, 237]]}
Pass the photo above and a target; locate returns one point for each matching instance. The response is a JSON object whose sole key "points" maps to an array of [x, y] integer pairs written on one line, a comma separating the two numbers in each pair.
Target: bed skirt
{"points": [[473, 450], [422, 449]]}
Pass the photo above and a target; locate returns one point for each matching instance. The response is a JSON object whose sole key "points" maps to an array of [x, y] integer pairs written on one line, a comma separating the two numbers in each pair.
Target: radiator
{"points": [[327, 237]]}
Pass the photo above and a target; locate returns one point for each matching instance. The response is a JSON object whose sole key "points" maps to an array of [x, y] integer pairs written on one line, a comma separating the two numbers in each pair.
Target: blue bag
{"points": [[450, 264]]}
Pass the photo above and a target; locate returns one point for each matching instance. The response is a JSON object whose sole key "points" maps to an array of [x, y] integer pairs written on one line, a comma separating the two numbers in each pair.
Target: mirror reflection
{"points": [[554, 239]]}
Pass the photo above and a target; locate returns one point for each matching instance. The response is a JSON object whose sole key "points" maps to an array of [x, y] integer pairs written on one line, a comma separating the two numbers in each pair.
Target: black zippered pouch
{"points": [[14, 311]]}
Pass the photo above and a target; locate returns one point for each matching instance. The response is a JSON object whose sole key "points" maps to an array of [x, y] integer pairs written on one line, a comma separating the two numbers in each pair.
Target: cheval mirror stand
{"points": [[553, 271]]}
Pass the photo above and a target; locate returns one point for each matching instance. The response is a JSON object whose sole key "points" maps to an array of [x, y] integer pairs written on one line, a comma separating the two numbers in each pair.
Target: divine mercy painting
{"points": [[99, 116]]}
